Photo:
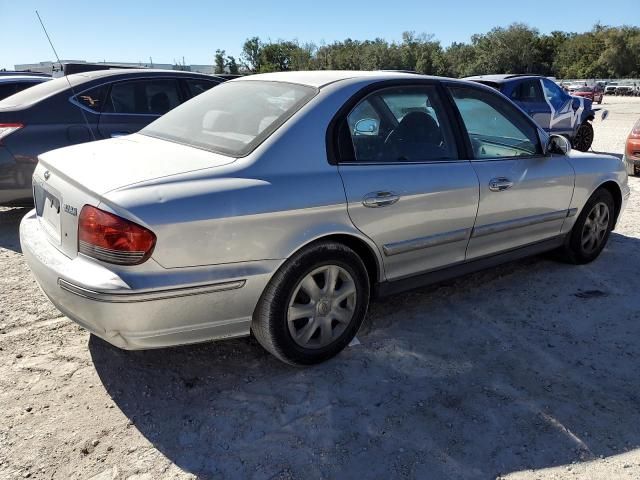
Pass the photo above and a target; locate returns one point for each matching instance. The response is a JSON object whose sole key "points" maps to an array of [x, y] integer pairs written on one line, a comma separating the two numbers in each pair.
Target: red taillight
{"points": [[110, 238], [7, 129]]}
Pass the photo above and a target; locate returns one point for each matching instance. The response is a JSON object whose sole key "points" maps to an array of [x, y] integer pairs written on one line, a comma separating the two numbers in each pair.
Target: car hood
{"points": [[107, 165]]}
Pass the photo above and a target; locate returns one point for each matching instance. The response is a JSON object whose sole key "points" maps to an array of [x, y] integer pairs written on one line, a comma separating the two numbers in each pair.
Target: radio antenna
{"points": [[84, 115]]}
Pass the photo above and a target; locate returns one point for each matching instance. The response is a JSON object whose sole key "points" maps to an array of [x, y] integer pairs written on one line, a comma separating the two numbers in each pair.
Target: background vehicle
{"points": [[12, 84], [624, 90], [295, 198], [593, 93], [105, 104], [549, 105], [610, 89], [632, 150]]}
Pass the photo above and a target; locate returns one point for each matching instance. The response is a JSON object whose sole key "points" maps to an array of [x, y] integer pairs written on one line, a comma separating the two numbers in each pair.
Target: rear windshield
{"points": [[585, 89], [232, 118]]}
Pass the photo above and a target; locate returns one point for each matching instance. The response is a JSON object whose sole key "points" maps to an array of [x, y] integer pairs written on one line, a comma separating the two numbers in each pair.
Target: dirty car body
{"points": [[331, 158]]}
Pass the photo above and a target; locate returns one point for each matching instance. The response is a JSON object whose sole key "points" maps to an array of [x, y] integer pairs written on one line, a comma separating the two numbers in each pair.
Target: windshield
{"points": [[585, 89], [232, 118], [41, 91]]}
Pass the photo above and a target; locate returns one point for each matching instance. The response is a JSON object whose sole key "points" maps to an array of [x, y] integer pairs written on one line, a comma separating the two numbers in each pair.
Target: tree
{"points": [[251, 53], [232, 66], [219, 62]]}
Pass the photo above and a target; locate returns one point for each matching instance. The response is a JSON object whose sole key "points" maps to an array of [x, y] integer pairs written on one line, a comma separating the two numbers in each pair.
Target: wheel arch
{"points": [[616, 192]]}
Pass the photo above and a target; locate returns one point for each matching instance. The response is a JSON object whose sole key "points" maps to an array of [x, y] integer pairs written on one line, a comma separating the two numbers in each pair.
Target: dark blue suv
{"points": [[549, 105]]}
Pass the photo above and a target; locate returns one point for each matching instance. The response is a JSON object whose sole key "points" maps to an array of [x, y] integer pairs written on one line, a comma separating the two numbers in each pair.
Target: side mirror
{"points": [[366, 126], [558, 144]]}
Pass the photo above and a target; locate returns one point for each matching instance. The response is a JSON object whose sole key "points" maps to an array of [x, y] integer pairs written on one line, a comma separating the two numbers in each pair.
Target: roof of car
{"points": [[320, 78], [22, 78], [500, 78]]}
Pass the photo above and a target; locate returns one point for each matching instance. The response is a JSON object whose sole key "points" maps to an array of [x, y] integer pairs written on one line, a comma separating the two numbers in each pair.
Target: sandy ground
{"points": [[526, 371]]}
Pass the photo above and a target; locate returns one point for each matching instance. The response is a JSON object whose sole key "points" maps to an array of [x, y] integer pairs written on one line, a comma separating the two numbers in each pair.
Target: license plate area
{"points": [[47, 202]]}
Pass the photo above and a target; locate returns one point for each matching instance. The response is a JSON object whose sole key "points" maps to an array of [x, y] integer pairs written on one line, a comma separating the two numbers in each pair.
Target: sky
{"points": [[134, 30]]}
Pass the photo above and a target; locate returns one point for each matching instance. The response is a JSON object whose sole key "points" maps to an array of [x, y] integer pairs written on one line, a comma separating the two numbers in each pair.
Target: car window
{"points": [[198, 86], [496, 127], [148, 97], [401, 124], [528, 91], [554, 94], [94, 98], [7, 89], [232, 118]]}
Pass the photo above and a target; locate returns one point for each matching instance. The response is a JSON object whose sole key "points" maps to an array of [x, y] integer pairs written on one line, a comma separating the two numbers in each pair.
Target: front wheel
{"points": [[314, 304], [591, 231], [584, 137]]}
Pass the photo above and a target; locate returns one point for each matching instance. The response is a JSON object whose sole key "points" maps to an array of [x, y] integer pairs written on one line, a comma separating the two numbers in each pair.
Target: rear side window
{"points": [[528, 91], [143, 97], [496, 127], [400, 124], [94, 98], [6, 90], [198, 86]]}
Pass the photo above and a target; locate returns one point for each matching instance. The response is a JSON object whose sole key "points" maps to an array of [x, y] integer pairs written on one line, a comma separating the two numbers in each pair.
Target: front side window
{"points": [[496, 128], [232, 118], [401, 124], [143, 97], [554, 94], [527, 91]]}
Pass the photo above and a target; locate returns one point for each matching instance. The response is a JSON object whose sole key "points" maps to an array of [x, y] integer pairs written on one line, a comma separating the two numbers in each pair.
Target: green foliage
{"points": [[219, 63], [518, 48]]}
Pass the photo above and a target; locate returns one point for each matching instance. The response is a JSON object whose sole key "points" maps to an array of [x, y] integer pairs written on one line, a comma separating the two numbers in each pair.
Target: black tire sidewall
{"points": [[294, 271], [576, 251], [583, 148]]}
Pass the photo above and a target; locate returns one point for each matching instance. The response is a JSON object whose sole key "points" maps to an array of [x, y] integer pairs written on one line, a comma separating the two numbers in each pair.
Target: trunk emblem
{"points": [[46, 174], [70, 210]]}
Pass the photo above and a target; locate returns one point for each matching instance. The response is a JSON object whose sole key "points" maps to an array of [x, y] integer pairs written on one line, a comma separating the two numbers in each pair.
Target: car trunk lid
{"points": [[67, 179]]}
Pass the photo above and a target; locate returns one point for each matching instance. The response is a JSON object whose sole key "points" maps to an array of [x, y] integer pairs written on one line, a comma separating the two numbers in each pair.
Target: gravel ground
{"points": [[524, 371]]}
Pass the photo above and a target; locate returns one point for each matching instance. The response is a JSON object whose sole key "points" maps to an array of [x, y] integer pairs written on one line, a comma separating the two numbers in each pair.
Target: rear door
{"points": [[133, 104], [406, 187]]}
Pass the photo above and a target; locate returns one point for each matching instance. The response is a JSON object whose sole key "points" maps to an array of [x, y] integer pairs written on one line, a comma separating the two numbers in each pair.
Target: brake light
{"points": [[7, 129], [110, 238]]}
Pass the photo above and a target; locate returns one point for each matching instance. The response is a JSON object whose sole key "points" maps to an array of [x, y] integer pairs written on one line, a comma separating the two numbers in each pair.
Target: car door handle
{"points": [[119, 134], [380, 199], [500, 184]]}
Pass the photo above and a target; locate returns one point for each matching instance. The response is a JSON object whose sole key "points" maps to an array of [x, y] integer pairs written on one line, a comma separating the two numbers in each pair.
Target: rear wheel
{"points": [[584, 137], [314, 304], [591, 231]]}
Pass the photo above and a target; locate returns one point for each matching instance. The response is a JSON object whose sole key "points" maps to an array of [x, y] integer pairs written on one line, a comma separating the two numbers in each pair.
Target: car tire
{"points": [[326, 286], [591, 231], [584, 137]]}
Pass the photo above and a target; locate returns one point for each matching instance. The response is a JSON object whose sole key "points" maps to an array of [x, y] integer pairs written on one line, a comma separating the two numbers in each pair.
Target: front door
{"points": [[406, 187], [524, 194]]}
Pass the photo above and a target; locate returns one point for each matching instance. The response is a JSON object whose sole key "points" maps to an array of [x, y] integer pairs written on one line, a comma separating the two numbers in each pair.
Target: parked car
{"points": [[279, 203], [610, 89], [594, 94], [625, 90], [549, 105], [79, 108], [12, 84], [632, 150]]}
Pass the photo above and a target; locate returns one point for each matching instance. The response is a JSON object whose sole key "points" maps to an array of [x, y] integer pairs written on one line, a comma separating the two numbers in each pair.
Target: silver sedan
{"points": [[279, 204]]}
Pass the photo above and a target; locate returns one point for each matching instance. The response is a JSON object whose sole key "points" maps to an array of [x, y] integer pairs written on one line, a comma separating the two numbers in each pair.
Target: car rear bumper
{"points": [[169, 312]]}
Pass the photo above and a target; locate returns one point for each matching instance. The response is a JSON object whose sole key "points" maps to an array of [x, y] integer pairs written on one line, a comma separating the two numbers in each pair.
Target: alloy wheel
{"points": [[321, 307], [595, 228]]}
